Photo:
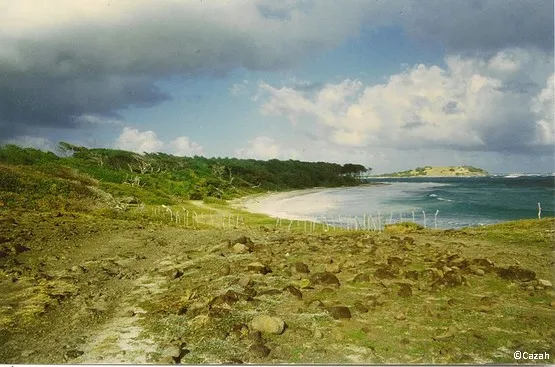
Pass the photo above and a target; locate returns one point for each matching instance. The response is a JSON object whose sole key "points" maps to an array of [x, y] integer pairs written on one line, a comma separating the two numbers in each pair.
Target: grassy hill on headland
{"points": [[439, 171]]}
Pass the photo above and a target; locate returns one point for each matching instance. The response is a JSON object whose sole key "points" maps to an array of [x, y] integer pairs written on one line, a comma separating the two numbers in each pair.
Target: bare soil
{"points": [[78, 289]]}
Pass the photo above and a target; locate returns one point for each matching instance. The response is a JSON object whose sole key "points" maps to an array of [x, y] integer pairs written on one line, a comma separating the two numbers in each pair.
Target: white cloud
{"points": [[183, 146], [542, 106], [238, 88], [474, 103], [264, 148], [98, 120], [136, 141], [147, 141], [101, 57]]}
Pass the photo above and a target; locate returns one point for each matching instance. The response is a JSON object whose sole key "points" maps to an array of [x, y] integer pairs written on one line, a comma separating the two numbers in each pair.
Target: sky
{"points": [[391, 85]]}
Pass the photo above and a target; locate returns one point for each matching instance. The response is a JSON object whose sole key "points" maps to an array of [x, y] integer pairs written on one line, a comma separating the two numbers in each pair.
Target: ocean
{"points": [[443, 202]]}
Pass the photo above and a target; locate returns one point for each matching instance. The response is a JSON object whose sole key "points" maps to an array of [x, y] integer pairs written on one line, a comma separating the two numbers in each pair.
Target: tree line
{"points": [[161, 177]]}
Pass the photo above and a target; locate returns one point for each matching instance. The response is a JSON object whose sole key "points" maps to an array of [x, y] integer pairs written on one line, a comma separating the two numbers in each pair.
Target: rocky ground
{"points": [[76, 289]]}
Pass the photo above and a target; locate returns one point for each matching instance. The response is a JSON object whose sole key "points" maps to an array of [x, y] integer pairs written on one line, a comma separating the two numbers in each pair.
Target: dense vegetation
{"points": [[34, 179]]}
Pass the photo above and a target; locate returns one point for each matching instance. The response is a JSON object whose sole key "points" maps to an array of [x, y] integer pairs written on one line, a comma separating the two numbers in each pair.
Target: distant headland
{"points": [[439, 171]]}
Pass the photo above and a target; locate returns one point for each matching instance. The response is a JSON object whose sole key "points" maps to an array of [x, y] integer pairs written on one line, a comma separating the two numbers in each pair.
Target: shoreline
{"points": [[328, 204], [268, 203]]}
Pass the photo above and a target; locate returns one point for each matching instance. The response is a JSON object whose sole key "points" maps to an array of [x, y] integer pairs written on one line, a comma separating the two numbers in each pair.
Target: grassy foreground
{"points": [[137, 288]]}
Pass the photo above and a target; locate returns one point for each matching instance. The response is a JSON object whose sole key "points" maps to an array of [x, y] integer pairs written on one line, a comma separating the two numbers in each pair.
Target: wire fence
{"points": [[365, 222]]}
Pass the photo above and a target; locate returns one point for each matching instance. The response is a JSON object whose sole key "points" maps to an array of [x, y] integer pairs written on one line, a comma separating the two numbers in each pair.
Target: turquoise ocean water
{"points": [[452, 202]]}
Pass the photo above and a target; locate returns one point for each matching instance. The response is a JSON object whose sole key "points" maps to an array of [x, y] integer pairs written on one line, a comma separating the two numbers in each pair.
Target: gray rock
{"points": [[129, 313], [258, 267], [294, 291], [545, 283], [384, 273], [301, 268], [245, 281], [474, 269], [240, 248], [270, 292], [225, 270], [445, 336], [360, 307], [173, 351], [333, 268], [361, 278], [484, 263], [73, 353], [339, 312], [267, 324], [395, 261], [259, 350], [27, 353], [516, 273], [244, 240], [316, 305], [405, 290], [324, 278]]}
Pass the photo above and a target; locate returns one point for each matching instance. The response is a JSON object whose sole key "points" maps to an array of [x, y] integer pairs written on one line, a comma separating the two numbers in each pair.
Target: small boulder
{"points": [[333, 268], [516, 273], [18, 249], [270, 292], [267, 324], [73, 353], [176, 274], [315, 305], [486, 264], [294, 291], [400, 316], [395, 261], [240, 248], [259, 350], [258, 267], [545, 283], [476, 270], [360, 307], [384, 273], [405, 290], [339, 312], [412, 274], [225, 270], [361, 278], [305, 284], [245, 281], [445, 336], [324, 278], [244, 240], [301, 268]]}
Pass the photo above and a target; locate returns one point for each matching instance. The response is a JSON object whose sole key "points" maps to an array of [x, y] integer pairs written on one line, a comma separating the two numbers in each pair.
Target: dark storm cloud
{"points": [[55, 67], [481, 25], [29, 100]]}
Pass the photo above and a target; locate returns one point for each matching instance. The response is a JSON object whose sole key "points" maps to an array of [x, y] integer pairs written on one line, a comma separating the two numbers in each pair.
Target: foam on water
{"points": [[460, 202]]}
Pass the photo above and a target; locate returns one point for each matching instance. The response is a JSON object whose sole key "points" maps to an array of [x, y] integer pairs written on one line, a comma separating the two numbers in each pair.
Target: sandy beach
{"points": [[285, 204]]}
